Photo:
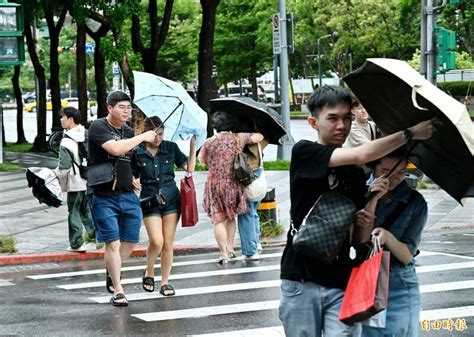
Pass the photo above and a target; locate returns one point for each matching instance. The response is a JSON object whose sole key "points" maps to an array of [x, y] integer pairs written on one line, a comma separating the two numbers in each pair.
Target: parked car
{"points": [[72, 101], [234, 90], [270, 94], [31, 107]]}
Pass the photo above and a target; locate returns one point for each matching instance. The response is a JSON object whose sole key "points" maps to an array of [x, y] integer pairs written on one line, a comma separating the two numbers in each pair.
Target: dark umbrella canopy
{"points": [[45, 186], [397, 97], [267, 120]]}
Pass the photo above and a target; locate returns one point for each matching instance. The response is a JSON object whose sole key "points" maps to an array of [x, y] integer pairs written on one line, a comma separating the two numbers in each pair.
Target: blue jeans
{"points": [[117, 217], [403, 312], [308, 309], [249, 225]]}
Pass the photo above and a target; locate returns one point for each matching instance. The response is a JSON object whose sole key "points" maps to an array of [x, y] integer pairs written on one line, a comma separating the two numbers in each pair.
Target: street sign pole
{"points": [[288, 140]]}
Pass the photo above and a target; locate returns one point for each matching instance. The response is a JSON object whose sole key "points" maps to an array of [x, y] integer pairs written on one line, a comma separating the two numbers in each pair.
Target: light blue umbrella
{"points": [[181, 116]]}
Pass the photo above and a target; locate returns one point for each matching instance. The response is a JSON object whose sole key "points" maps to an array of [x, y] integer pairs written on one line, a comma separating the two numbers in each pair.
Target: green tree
{"points": [[370, 28], [243, 45], [32, 11], [54, 13], [155, 36], [206, 55], [177, 57]]}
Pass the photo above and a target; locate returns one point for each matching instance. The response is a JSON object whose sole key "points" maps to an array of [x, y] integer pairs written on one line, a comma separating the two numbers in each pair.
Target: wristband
{"points": [[408, 135]]}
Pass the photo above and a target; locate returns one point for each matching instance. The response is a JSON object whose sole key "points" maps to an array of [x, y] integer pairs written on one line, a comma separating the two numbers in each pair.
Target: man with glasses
{"points": [[115, 206]]}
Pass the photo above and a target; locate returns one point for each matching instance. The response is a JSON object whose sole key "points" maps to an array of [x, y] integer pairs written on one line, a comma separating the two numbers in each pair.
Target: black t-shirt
{"points": [[100, 131], [310, 177]]}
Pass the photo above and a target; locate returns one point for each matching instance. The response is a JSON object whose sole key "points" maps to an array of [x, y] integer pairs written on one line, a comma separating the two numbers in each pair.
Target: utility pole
{"points": [[430, 41], [423, 39], [288, 140]]}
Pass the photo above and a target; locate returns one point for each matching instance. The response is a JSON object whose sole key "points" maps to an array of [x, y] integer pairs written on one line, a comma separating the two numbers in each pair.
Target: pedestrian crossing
{"points": [[209, 295]]}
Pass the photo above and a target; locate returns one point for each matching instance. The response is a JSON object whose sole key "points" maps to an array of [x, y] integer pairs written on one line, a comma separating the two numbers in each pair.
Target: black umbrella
{"points": [[267, 120], [45, 186], [397, 97]]}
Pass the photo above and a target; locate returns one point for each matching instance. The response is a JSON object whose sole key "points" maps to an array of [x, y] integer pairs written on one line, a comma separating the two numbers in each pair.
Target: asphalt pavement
{"points": [[41, 232]]}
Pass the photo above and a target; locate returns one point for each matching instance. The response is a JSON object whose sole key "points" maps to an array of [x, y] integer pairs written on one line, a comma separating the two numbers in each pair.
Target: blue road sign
{"points": [[90, 48]]}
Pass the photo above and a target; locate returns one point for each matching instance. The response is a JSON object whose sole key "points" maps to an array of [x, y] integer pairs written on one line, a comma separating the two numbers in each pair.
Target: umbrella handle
{"points": [[413, 97], [172, 112]]}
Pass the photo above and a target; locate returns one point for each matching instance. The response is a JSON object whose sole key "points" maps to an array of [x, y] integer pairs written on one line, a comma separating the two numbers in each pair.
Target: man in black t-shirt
{"points": [[115, 206], [312, 292]]}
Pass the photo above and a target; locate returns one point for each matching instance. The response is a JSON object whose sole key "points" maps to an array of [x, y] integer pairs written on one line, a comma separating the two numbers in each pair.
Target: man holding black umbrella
{"points": [[312, 291], [115, 206]]}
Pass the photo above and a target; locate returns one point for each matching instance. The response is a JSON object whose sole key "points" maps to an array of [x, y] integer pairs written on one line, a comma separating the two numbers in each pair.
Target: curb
{"points": [[24, 259]]}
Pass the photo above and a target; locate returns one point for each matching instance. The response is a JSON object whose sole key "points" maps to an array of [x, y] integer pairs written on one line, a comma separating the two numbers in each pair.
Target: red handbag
{"points": [[367, 291], [189, 211]]}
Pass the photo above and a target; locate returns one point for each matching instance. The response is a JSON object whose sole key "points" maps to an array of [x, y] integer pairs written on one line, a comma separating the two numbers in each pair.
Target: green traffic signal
{"points": [[446, 44]]}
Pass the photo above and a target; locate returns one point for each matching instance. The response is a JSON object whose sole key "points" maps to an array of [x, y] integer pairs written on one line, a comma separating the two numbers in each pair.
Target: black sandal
{"points": [[109, 285], [167, 290], [148, 281], [116, 298]]}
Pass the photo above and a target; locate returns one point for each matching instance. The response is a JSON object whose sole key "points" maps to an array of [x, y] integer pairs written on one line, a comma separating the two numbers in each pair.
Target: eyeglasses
{"points": [[124, 107]]}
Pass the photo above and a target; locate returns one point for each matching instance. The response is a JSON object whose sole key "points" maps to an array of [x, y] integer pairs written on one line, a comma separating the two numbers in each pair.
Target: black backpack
{"points": [[83, 157]]}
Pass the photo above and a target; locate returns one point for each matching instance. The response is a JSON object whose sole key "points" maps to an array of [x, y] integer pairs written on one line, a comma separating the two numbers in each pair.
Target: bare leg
{"points": [[115, 253], [169, 230], [154, 230], [230, 229], [221, 237]]}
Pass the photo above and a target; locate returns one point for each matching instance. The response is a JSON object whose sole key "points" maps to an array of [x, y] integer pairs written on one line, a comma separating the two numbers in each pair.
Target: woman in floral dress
{"points": [[223, 195]]}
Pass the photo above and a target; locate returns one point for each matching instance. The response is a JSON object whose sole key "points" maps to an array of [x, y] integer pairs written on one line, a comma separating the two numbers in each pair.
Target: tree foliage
{"points": [[365, 28], [243, 45]]}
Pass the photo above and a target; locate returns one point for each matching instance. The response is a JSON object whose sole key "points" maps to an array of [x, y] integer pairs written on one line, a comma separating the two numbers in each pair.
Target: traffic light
{"points": [[446, 44]]}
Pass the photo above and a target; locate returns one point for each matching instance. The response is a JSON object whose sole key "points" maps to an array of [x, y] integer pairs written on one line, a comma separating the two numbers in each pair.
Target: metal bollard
{"points": [[267, 208]]}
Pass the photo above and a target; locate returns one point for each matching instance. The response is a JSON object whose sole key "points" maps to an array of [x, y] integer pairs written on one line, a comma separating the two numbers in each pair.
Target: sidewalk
{"points": [[41, 232]]}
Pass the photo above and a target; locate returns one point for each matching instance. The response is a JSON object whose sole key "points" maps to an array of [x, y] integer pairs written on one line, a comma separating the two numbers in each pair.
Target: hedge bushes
{"points": [[458, 88]]}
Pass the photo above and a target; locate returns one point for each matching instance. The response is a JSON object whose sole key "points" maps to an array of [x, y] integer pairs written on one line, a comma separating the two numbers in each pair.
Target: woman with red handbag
{"points": [[153, 163], [401, 215]]}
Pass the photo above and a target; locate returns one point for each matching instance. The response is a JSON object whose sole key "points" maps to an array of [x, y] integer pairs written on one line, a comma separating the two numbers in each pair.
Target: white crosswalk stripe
{"points": [[208, 311], [197, 291], [175, 276], [252, 288], [102, 271]]}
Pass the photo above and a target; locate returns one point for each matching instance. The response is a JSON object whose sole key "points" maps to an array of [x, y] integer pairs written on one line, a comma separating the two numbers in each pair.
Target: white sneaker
{"points": [[82, 248], [253, 257], [259, 248]]}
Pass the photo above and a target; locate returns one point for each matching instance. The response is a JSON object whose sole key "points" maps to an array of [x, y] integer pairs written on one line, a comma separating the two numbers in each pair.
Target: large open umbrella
{"points": [[267, 120], [45, 185], [159, 96], [396, 96]]}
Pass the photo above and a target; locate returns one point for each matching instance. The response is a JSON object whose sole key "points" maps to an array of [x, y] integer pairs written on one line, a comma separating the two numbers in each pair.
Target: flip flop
{"points": [[116, 298], [148, 281], [109, 285], [167, 290]]}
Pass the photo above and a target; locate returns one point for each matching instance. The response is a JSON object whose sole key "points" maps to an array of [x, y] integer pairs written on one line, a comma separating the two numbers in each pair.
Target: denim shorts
{"points": [[117, 217], [173, 206]]}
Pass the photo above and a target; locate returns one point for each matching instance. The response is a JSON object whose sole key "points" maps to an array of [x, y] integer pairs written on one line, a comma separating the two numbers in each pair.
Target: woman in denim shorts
{"points": [[153, 163]]}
